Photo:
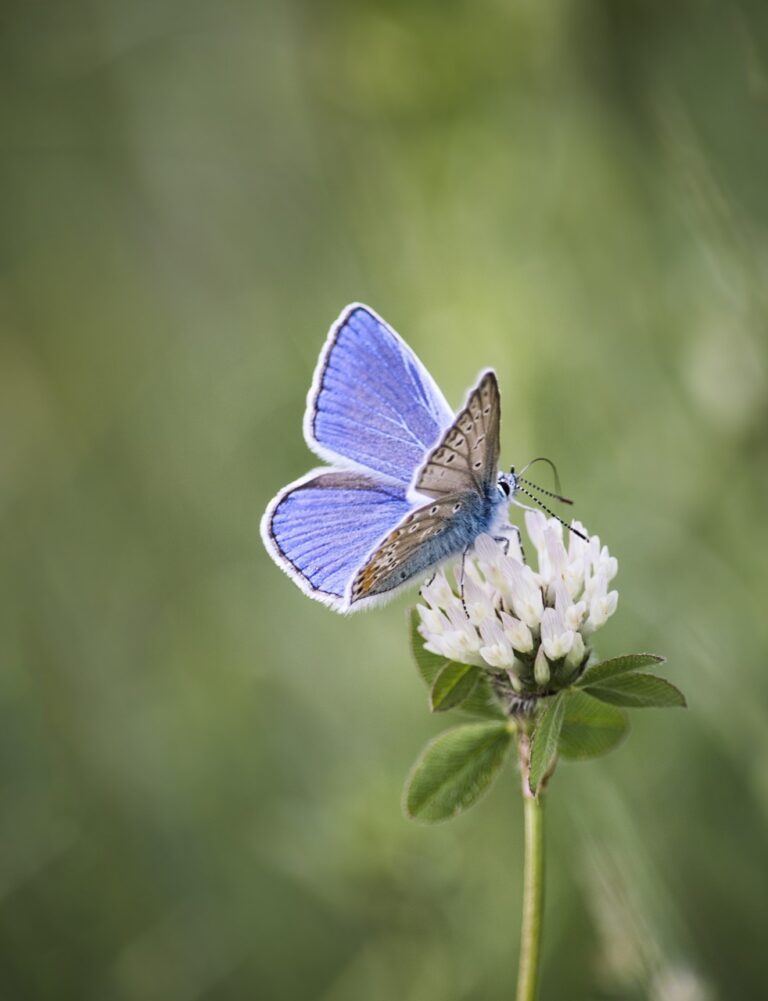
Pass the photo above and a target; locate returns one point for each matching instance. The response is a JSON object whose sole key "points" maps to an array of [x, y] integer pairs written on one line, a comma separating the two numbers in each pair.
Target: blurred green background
{"points": [[201, 768]]}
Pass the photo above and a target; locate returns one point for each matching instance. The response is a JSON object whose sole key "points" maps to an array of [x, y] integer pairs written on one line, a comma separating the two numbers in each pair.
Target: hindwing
{"points": [[413, 546]]}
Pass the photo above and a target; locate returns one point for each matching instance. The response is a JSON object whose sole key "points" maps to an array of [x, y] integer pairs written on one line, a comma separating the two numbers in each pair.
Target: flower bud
{"points": [[576, 654], [541, 668]]}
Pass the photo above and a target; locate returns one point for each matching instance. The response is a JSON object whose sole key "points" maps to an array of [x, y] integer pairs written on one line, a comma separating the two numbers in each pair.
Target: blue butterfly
{"points": [[410, 484]]}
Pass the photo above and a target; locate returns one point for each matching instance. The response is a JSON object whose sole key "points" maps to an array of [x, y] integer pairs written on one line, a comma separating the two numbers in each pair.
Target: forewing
{"points": [[467, 456], [413, 546], [372, 402], [321, 528]]}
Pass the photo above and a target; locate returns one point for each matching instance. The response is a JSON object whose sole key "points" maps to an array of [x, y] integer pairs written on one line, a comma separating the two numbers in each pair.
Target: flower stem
{"points": [[533, 886]]}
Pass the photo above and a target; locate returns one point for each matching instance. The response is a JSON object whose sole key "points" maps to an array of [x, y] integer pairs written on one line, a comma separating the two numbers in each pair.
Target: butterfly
{"points": [[410, 484]]}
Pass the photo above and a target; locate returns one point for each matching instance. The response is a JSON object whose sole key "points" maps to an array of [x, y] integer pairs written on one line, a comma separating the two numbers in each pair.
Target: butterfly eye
{"points": [[504, 487]]}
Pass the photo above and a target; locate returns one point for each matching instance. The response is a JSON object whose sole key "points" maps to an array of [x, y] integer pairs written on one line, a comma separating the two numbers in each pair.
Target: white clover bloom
{"points": [[556, 637], [497, 650], [517, 632], [529, 626]]}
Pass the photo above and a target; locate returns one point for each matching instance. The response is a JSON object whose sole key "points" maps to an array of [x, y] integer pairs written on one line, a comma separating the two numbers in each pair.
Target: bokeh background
{"points": [[200, 768]]}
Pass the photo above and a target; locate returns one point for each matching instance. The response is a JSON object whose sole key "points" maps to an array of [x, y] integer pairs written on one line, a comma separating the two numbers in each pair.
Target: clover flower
{"points": [[507, 641], [530, 629]]}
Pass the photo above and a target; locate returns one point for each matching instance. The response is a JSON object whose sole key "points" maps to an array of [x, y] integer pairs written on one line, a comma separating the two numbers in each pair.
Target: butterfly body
{"points": [[410, 486]]}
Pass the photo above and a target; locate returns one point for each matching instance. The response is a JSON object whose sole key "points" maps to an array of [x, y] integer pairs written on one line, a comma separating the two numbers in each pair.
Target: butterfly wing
{"points": [[372, 403], [321, 528], [467, 456], [459, 474], [421, 540]]}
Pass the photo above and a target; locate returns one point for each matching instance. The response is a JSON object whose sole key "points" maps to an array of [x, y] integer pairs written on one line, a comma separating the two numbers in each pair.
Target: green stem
{"points": [[533, 887]]}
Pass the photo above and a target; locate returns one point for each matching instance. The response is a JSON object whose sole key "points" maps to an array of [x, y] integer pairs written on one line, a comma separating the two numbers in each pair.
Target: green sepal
{"points": [[617, 666], [638, 691], [590, 727], [455, 769], [545, 740], [481, 703], [453, 685]]}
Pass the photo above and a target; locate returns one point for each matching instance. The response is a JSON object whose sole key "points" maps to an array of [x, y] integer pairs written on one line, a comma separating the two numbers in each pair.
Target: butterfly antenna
{"points": [[552, 514], [552, 466], [547, 493]]}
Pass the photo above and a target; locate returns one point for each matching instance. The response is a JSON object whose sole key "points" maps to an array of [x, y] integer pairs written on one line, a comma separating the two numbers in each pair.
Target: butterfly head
{"points": [[507, 484]]}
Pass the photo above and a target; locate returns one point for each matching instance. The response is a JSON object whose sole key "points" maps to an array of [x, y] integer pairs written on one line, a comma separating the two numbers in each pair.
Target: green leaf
{"points": [[429, 664], [616, 666], [639, 691], [545, 739], [454, 683], [590, 727], [455, 769], [482, 703]]}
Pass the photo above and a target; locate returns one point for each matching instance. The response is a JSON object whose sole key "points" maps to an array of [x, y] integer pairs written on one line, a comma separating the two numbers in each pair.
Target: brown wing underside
{"points": [[406, 550], [467, 456]]}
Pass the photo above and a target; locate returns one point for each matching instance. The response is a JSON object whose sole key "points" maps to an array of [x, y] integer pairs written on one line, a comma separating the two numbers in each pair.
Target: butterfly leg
{"points": [[504, 541], [519, 535], [461, 578]]}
